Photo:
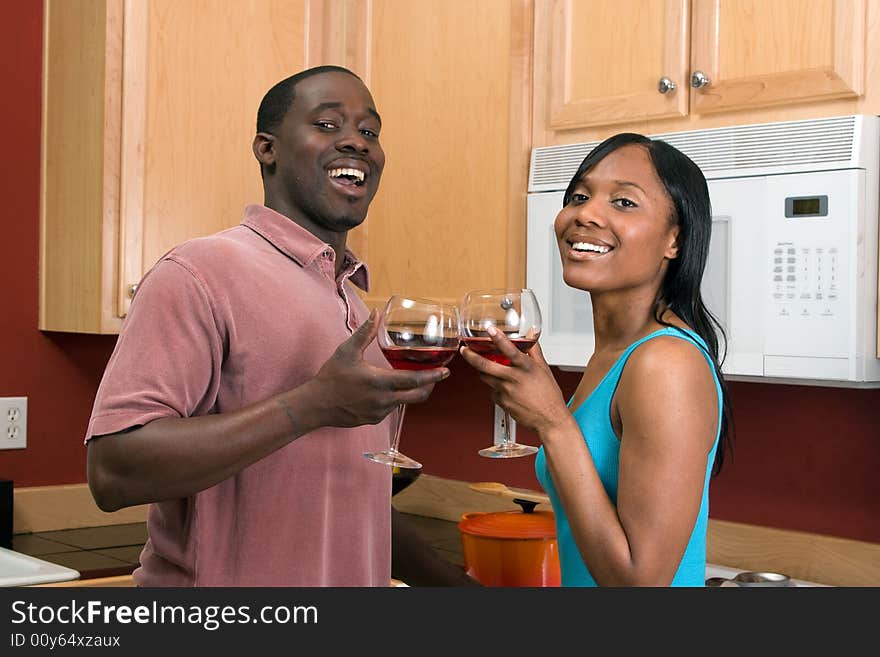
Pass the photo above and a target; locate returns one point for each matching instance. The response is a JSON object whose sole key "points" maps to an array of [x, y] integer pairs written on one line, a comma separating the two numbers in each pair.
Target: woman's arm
{"points": [[667, 409]]}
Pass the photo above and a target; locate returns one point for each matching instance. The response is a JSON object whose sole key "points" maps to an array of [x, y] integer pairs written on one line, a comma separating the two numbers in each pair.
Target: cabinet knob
{"points": [[665, 85], [132, 289], [699, 79]]}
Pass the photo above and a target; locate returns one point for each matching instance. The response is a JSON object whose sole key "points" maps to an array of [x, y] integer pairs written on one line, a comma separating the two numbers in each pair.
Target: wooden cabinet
{"points": [[149, 111], [600, 62], [452, 83], [608, 62], [758, 53]]}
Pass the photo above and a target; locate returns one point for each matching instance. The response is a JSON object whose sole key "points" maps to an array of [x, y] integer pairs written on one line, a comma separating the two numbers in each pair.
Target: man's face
{"points": [[328, 159]]}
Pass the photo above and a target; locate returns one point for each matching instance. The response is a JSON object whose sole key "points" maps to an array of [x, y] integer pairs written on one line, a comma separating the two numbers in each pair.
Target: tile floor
{"points": [[115, 549]]}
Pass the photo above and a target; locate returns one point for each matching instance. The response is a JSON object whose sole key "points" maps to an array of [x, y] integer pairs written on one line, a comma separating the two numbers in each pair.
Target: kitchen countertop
{"points": [[713, 570], [93, 551], [115, 549]]}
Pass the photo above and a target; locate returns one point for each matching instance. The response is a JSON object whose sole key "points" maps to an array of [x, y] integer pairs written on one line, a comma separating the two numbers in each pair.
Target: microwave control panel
{"points": [[805, 279], [811, 231]]}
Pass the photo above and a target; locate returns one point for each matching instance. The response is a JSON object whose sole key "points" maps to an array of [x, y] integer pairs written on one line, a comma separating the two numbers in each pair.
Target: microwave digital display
{"points": [[806, 206]]}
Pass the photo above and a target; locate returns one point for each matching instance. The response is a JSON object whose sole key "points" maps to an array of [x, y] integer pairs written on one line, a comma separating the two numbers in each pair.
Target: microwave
{"points": [[792, 272]]}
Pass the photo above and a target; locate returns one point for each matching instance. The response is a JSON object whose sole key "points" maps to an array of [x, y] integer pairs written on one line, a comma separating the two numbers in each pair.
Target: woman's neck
{"points": [[619, 321]]}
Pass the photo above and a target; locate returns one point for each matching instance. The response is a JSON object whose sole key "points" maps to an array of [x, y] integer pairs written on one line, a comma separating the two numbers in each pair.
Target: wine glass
{"points": [[414, 334], [515, 312]]}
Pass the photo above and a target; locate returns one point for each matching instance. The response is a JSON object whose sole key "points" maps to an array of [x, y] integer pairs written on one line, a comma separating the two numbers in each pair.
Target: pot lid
{"points": [[509, 524]]}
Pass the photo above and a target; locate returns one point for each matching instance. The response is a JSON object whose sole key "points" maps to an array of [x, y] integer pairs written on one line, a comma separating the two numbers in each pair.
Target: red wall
{"points": [[806, 458], [58, 373]]}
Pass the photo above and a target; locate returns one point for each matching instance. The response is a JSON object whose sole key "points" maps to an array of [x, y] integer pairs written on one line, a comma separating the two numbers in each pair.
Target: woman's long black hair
{"points": [[680, 290]]}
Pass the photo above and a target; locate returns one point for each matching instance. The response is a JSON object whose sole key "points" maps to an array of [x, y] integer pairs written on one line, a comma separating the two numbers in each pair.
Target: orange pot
{"points": [[510, 548]]}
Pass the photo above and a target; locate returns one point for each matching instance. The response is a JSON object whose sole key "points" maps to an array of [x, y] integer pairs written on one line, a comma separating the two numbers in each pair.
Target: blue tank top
{"points": [[594, 418]]}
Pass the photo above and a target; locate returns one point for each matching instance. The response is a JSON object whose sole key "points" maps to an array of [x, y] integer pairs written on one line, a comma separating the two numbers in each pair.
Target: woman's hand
{"points": [[526, 388]]}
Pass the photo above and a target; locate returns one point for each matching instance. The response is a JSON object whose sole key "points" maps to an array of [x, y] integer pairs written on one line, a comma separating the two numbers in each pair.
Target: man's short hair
{"points": [[277, 100]]}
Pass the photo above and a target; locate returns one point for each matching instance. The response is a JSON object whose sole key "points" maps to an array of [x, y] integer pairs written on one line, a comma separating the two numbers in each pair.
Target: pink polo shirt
{"points": [[222, 322]]}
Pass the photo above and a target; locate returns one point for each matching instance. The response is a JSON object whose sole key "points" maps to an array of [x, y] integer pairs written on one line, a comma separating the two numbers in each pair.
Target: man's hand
{"points": [[348, 392]]}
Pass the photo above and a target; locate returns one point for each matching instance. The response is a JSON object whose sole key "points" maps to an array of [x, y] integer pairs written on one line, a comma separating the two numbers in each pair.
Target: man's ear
{"points": [[672, 248], [264, 149]]}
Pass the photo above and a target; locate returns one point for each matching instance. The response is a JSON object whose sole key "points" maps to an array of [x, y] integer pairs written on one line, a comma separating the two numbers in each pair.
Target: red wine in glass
{"points": [[420, 354], [414, 334], [486, 348], [515, 313]]}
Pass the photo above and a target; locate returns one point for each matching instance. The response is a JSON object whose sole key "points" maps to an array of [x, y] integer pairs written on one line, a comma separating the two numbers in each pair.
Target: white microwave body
{"points": [[792, 273]]}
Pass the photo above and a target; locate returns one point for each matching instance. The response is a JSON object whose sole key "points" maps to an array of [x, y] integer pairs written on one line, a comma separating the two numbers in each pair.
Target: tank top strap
{"points": [[615, 370], [612, 378]]}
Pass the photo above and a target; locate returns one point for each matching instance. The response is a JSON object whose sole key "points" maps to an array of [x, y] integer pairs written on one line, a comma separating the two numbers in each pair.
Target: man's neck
{"points": [[337, 241]]}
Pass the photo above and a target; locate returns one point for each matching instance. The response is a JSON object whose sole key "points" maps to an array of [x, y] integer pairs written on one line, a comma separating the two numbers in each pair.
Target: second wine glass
{"points": [[414, 334], [515, 313]]}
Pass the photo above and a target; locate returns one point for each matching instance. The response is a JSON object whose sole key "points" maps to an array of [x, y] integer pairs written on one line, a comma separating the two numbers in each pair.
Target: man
{"points": [[246, 383]]}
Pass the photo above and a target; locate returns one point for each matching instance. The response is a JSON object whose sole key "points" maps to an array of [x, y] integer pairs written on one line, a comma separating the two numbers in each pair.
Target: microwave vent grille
{"points": [[793, 143]]}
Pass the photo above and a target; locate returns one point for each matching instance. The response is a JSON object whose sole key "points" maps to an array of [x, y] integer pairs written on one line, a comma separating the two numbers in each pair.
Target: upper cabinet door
{"points": [[755, 53], [149, 112], [610, 61], [194, 74], [668, 65], [450, 80]]}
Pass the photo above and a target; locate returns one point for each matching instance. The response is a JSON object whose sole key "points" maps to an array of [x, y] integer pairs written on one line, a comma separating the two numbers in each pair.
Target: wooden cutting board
{"points": [[497, 488]]}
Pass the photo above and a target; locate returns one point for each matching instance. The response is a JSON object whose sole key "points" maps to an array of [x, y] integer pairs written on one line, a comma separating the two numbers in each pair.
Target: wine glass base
{"points": [[509, 451], [395, 459]]}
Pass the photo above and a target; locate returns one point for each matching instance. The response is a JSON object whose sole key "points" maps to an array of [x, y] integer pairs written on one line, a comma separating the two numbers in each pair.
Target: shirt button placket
{"points": [[327, 264], [350, 320]]}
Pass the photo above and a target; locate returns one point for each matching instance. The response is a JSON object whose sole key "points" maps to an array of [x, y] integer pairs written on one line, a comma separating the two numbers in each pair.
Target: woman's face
{"points": [[616, 233]]}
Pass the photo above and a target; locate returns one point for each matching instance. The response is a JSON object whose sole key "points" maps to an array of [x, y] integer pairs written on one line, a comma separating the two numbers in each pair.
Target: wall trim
{"points": [[800, 555], [69, 506]]}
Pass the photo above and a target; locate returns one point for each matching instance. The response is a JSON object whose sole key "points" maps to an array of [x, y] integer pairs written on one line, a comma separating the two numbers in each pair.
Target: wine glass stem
{"points": [[507, 439], [395, 439]]}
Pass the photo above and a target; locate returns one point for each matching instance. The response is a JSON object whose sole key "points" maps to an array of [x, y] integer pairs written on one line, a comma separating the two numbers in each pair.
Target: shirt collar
{"points": [[299, 244]]}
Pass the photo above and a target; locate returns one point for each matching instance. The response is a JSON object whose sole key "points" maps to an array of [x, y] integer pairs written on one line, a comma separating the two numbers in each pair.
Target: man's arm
{"points": [[176, 457]]}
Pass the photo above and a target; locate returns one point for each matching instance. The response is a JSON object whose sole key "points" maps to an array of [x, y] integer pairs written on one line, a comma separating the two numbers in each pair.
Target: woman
{"points": [[627, 461]]}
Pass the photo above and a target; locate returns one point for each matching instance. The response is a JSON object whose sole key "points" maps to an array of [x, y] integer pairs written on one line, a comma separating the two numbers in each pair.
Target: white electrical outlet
{"points": [[499, 426], [13, 419]]}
